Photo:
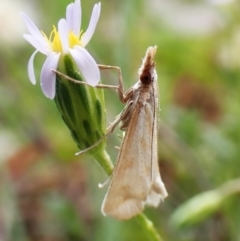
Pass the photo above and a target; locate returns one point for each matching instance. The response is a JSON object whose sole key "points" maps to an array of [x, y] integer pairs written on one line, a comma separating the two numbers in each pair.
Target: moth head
{"points": [[147, 70], [146, 78]]}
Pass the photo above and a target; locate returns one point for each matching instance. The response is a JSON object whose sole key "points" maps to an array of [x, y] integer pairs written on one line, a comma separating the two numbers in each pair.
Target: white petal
{"points": [[48, 77], [92, 25], [31, 73], [36, 44], [73, 16], [63, 32], [33, 30], [69, 15], [86, 65]]}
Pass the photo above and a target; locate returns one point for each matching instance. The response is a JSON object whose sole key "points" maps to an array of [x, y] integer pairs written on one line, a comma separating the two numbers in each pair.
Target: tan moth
{"points": [[136, 180]]}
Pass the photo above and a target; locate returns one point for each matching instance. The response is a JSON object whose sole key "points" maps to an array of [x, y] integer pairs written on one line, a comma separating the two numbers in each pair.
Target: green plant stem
{"points": [[147, 225], [104, 161]]}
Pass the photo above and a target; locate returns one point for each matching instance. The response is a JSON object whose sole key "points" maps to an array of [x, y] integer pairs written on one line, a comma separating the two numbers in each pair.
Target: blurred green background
{"points": [[48, 194]]}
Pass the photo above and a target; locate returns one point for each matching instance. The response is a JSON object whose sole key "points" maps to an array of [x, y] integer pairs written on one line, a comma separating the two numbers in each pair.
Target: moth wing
{"points": [[158, 191], [131, 179]]}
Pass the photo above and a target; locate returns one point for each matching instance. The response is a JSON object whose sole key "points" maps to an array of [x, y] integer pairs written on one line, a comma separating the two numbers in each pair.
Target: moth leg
{"points": [[120, 80], [120, 117], [123, 96], [101, 185], [84, 83], [92, 146], [110, 128]]}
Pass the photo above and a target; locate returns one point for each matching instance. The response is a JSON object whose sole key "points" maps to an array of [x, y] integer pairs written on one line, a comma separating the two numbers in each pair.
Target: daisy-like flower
{"points": [[67, 39]]}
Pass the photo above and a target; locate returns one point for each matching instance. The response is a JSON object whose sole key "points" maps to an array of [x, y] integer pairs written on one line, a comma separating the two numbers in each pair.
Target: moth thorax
{"points": [[146, 77]]}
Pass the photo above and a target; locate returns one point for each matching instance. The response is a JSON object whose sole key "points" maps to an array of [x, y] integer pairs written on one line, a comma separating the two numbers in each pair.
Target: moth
{"points": [[136, 180]]}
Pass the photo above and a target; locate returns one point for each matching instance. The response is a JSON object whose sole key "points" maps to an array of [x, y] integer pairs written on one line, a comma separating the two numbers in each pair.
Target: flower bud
{"points": [[82, 107]]}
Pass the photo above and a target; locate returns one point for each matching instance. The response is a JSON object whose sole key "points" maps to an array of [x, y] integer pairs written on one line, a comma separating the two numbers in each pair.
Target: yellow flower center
{"points": [[55, 41], [73, 39]]}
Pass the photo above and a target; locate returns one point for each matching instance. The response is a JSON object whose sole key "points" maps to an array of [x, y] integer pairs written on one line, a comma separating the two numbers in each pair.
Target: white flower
{"points": [[68, 39]]}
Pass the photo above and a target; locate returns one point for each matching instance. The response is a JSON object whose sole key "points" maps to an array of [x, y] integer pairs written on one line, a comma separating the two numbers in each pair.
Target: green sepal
{"points": [[82, 107]]}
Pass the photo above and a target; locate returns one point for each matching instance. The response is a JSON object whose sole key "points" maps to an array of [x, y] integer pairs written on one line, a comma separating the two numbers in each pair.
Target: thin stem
{"points": [[148, 226], [104, 161]]}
